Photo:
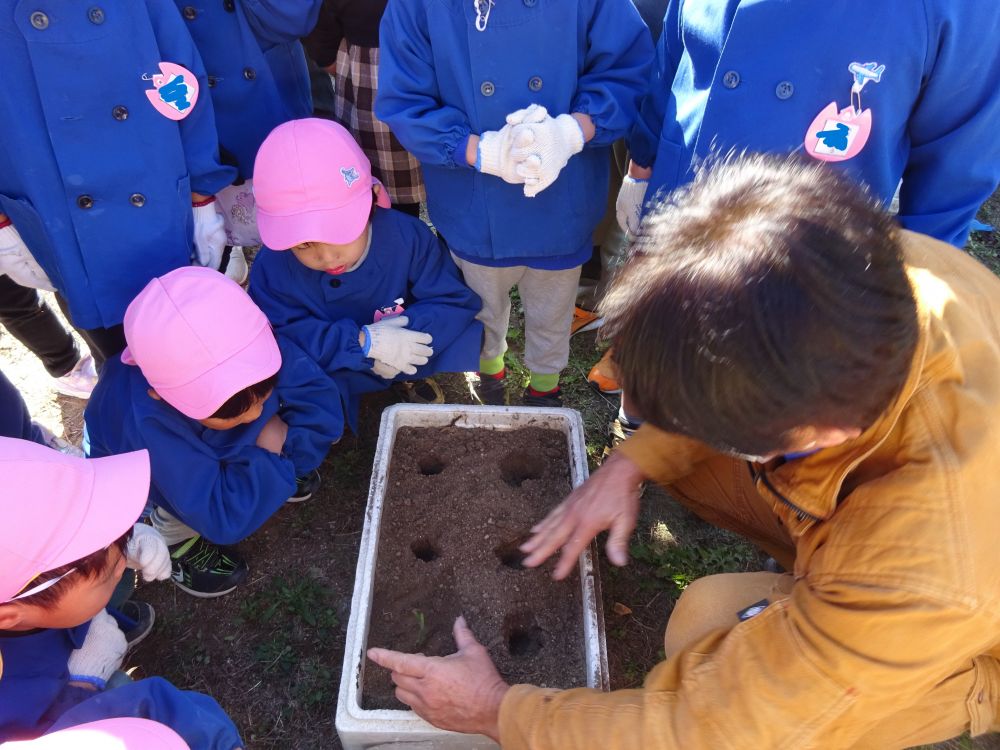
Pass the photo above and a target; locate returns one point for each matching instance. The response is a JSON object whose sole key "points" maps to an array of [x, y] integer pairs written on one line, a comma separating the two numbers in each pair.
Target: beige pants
{"points": [[723, 494]]}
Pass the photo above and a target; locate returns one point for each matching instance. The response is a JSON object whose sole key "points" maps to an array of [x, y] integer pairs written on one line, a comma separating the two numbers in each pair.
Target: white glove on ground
{"points": [[384, 371], [102, 652], [495, 145], [209, 235], [17, 261], [628, 206], [148, 553], [390, 342], [553, 141]]}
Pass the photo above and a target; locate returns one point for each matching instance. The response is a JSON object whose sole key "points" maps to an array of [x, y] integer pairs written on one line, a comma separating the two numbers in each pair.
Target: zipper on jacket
{"points": [[762, 475]]}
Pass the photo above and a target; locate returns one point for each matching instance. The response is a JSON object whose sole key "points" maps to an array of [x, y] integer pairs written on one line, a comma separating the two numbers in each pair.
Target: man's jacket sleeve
{"points": [[663, 457]]}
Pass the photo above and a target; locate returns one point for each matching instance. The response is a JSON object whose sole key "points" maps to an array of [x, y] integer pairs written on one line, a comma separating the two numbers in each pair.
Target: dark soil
{"points": [[458, 503]]}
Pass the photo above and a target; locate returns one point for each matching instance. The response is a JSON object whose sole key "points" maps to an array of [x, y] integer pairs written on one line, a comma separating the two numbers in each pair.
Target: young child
{"points": [[201, 385], [455, 85], [369, 293], [64, 543]]}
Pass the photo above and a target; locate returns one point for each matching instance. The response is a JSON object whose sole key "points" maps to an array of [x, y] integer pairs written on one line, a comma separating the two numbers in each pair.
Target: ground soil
{"points": [[458, 503]]}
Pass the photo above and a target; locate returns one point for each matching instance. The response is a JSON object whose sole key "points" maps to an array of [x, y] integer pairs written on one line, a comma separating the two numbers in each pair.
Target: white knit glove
{"points": [[148, 553], [384, 371], [628, 206], [102, 652], [390, 342], [17, 262], [495, 145], [542, 157], [209, 235]]}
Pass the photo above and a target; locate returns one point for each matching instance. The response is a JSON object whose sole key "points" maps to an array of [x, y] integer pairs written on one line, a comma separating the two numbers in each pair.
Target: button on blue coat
{"points": [[69, 166], [440, 80], [935, 110], [255, 64]]}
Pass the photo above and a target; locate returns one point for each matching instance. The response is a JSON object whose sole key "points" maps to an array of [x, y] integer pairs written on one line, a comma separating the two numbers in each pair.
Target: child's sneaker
{"points": [[234, 264], [550, 399], [423, 391], [604, 375], [492, 389], [135, 619], [206, 570], [306, 486], [584, 320], [80, 381]]}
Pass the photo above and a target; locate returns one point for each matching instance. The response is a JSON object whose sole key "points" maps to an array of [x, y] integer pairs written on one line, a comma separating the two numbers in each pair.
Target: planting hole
{"points": [[424, 549], [518, 466], [523, 636], [510, 555], [430, 465]]}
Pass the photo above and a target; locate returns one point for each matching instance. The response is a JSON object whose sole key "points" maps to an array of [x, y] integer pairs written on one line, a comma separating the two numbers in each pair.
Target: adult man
{"points": [[825, 384]]}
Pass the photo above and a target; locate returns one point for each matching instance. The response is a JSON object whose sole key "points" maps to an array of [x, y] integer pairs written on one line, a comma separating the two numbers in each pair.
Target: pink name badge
{"points": [[390, 311], [174, 92], [838, 136]]}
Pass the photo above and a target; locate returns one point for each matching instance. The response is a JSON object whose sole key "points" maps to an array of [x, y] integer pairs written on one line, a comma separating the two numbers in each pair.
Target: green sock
{"points": [[491, 366], [544, 383]]}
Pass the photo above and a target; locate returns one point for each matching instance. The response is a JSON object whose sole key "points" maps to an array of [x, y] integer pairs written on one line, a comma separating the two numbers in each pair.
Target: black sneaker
{"points": [[492, 391], [135, 619], [423, 391], [618, 432], [206, 570], [305, 487], [550, 399]]}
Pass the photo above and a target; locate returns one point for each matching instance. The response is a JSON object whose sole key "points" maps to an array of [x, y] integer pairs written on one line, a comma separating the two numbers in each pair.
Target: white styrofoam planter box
{"points": [[384, 728]]}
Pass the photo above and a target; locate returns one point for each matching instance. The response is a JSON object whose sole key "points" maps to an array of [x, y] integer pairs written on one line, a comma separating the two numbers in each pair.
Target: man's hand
{"points": [[608, 500], [460, 693], [272, 436]]}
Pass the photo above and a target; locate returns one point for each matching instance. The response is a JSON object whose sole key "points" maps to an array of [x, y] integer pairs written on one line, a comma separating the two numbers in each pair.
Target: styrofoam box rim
{"points": [[385, 725]]}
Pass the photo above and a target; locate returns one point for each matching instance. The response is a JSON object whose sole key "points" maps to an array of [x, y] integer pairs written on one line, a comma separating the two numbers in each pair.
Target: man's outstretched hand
{"points": [[608, 500], [461, 692]]}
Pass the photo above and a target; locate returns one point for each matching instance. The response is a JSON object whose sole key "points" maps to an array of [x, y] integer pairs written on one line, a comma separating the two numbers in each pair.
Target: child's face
{"points": [[335, 259], [250, 415], [78, 604]]}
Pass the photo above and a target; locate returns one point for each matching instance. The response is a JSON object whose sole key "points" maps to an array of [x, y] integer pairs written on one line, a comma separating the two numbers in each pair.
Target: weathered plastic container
{"points": [[384, 728]]}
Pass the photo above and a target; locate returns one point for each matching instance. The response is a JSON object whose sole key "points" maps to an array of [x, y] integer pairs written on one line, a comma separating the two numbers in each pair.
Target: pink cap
{"points": [[107, 734], [58, 509], [312, 183], [199, 339]]}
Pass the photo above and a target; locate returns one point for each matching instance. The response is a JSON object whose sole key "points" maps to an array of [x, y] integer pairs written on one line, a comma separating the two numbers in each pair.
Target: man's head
{"points": [[315, 194], [764, 303]]}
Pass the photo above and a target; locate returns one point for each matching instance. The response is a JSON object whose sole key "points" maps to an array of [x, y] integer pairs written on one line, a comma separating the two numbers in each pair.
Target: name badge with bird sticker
{"points": [[174, 92], [840, 134]]}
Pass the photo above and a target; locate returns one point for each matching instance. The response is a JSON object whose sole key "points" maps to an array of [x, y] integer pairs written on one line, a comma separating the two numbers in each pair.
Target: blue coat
{"points": [[15, 421], [323, 314], [96, 181], [440, 80], [753, 75], [35, 696], [218, 482], [256, 67]]}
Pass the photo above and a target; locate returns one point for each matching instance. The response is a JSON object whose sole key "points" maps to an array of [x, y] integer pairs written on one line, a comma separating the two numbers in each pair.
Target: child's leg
{"points": [[172, 529], [548, 298], [493, 286]]}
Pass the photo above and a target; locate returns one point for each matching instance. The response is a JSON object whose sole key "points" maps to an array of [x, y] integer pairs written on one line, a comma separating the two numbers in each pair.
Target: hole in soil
{"points": [[509, 554], [518, 466], [430, 465], [523, 636], [424, 549]]}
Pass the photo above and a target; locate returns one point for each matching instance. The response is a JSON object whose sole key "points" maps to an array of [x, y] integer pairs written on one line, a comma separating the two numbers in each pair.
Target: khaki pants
{"points": [[722, 493]]}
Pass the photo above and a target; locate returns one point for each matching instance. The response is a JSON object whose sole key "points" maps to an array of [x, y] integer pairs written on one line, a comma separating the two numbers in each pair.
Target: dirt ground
{"points": [[271, 652]]}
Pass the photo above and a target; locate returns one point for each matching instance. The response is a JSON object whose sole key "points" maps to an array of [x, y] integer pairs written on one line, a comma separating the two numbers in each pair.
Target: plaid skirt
{"points": [[355, 86]]}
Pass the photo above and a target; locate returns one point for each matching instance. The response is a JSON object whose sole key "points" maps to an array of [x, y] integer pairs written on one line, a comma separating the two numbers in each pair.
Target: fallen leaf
{"points": [[621, 609]]}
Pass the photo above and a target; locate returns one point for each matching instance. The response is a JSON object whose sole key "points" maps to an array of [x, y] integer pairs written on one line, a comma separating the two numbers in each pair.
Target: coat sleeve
{"points": [[616, 69], [409, 100], [199, 136], [225, 498], [663, 457], [816, 669], [645, 137], [954, 161], [334, 346], [279, 21], [310, 403]]}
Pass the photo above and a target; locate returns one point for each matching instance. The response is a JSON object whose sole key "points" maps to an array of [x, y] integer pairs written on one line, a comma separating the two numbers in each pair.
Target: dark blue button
{"points": [[535, 84], [96, 15], [731, 79], [335, 283], [784, 90], [39, 20], [488, 88], [530, 3]]}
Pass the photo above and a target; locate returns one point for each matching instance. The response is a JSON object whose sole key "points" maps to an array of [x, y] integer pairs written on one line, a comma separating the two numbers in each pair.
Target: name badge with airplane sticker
{"points": [[840, 134], [174, 92]]}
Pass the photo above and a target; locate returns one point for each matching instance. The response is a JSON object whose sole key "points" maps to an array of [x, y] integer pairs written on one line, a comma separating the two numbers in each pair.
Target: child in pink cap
{"points": [[68, 532], [369, 293], [236, 422]]}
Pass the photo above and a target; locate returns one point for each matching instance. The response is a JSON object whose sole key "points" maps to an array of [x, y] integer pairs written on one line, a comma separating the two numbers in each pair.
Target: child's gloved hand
{"points": [[495, 145], [147, 552], [394, 345], [550, 146], [628, 206], [17, 261], [102, 652], [209, 235], [384, 371]]}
